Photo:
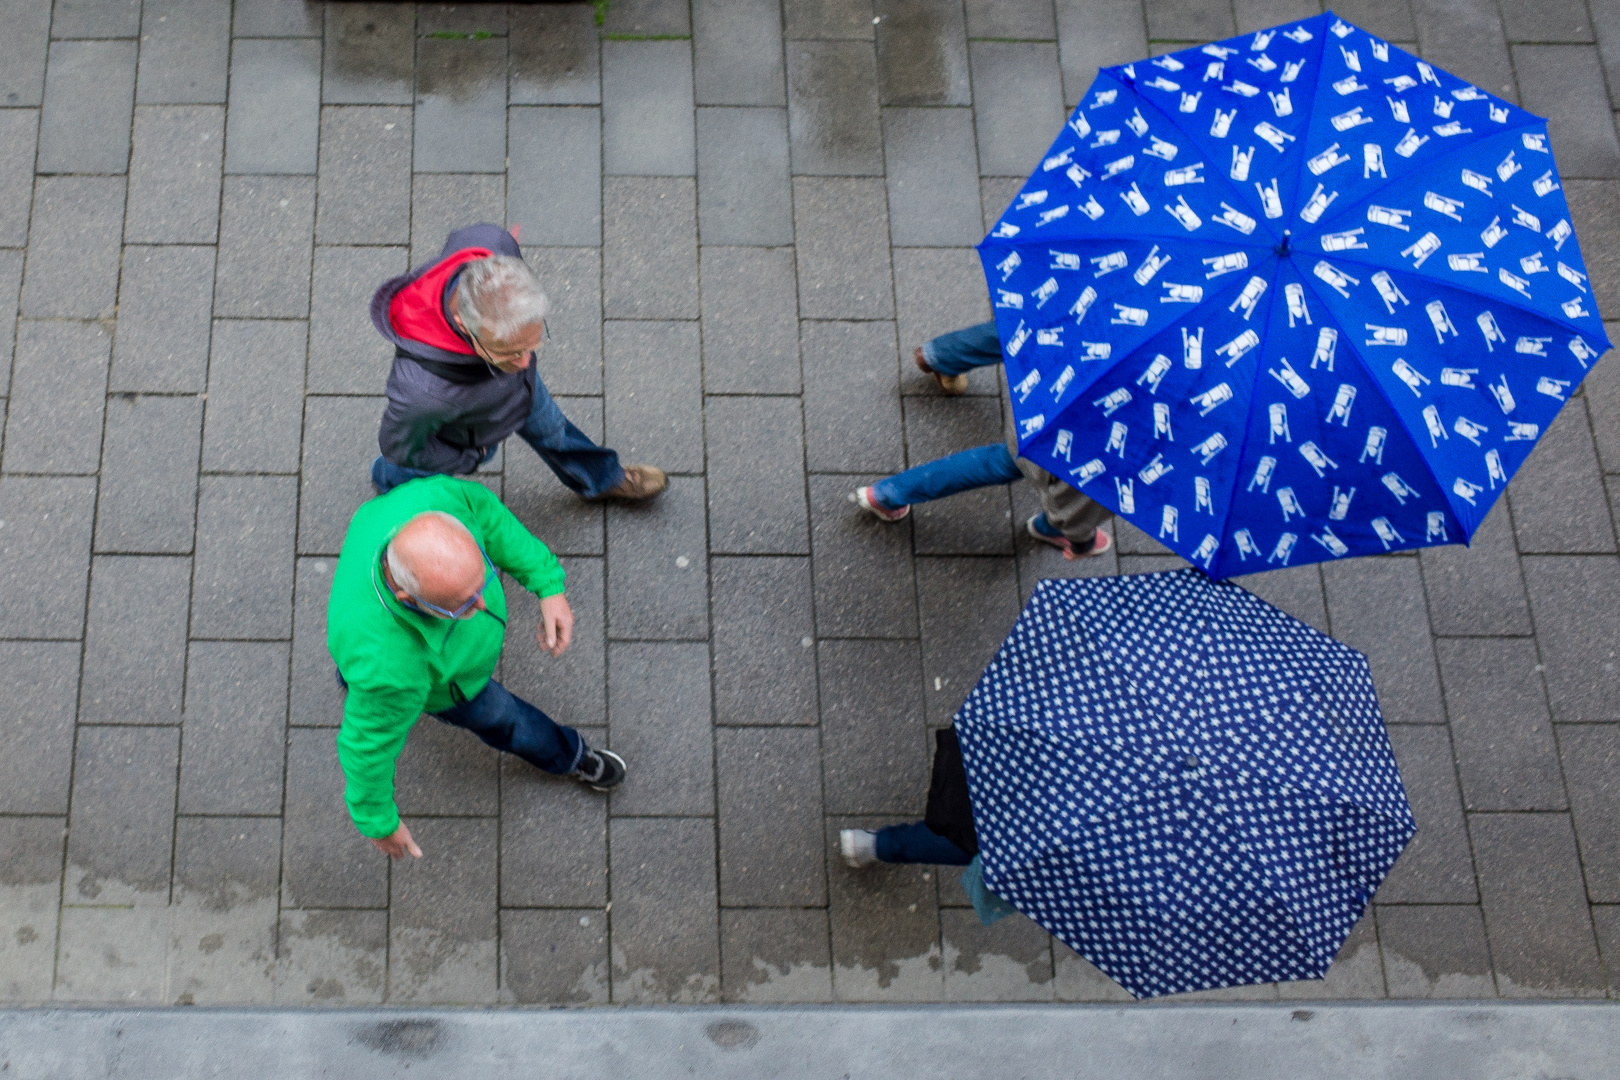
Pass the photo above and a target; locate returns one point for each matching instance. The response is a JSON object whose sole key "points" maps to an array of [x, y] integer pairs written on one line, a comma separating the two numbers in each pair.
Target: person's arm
{"points": [[409, 433], [512, 547], [376, 722]]}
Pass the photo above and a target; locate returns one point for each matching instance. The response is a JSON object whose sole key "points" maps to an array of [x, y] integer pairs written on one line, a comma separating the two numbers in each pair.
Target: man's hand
{"points": [[556, 625], [398, 845]]}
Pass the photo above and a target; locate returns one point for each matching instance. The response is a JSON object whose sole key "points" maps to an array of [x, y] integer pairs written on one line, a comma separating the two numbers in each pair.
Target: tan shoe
{"points": [[950, 385], [640, 482]]}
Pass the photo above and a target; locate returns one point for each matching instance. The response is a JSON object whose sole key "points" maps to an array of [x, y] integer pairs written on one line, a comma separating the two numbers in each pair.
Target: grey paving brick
{"points": [[462, 18], [829, 19], [972, 522], [1573, 601], [223, 950], [554, 56], [885, 927], [41, 686], [11, 264], [1010, 961], [1561, 20], [325, 862], [89, 91], [1465, 37], [19, 131], [45, 549], [922, 54], [553, 838], [22, 54], [648, 18], [266, 233], [1376, 605], [1478, 589], [937, 291], [554, 957], [1435, 951], [1565, 83], [1096, 34], [996, 194], [852, 419], [1295, 589], [135, 644], [968, 606], [58, 392], [122, 824], [756, 476], [365, 178], [174, 175], [841, 227], [1506, 756], [1535, 906], [96, 19], [1017, 103], [242, 584], [833, 121], [770, 817], [775, 956], [234, 734], [743, 192], [649, 258], [1133, 541], [460, 106], [1606, 919], [113, 954], [278, 18], [340, 441], [666, 940], [1602, 392], [1255, 15], [1024, 19], [647, 108], [445, 770], [185, 52], [315, 699], [654, 385], [163, 320], [370, 55], [275, 103], [1606, 24], [863, 574], [554, 187], [659, 716], [346, 354], [651, 593], [932, 177], [149, 474], [1076, 979], [443, 921], [1592, 207], [255, 392], [1436, 867], [750, 321], [72, 269], [568, 524], [1389, 19], [1591, 755], [1357, 972], [1558, 504], [30, 892], [569, 688], [737, 52], [874, 747], [572, 278], [1197, 20], [331, 957], [764, 658]]}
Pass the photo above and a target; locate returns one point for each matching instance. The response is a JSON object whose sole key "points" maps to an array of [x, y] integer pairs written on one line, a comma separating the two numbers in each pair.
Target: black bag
{"points": [[950, 812]]}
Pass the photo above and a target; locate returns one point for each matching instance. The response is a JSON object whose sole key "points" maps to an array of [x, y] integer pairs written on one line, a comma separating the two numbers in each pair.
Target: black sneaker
{"points": [[600, 770]]}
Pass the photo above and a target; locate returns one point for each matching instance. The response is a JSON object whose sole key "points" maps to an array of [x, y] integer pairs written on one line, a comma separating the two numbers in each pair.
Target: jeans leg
{"points": [[511, 724], [587, 469], [917, 843], [963, 350], [984, 466], [386, 476]]}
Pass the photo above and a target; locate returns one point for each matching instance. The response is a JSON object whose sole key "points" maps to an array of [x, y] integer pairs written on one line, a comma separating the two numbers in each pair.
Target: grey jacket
{"points": [[445, 408]]}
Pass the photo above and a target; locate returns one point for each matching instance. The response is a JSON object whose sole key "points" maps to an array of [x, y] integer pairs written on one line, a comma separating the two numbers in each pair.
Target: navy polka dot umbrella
{"points": [[1189, 787]]}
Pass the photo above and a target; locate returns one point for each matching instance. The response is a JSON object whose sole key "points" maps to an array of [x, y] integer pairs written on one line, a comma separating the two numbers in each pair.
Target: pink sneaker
{"points": [[868, 501], [1098, 547]]}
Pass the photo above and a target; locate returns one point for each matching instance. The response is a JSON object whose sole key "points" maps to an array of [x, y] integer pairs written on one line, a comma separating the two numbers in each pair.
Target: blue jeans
{"points": [[917, 843], [588, 470], [512, 725], [961, 351], [983, 466]]}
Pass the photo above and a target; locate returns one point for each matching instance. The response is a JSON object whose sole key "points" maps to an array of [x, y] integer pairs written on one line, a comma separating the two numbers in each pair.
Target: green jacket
{"points": [[399, 664]]}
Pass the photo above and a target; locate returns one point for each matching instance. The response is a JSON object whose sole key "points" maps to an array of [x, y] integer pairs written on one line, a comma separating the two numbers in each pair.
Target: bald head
{"points": [[435, 558]]}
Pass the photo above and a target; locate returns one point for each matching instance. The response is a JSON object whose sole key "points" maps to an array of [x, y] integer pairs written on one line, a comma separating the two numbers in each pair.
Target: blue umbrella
{"points": [[1291, 297], [1187, 786]]}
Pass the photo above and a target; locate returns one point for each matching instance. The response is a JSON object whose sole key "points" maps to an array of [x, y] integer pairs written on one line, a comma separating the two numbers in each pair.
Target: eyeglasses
{"points": [[509, 356], [460, 612]]}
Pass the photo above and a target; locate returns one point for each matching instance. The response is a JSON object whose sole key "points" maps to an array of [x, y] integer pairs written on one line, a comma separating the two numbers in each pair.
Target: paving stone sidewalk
{"points": [[748, 213]]}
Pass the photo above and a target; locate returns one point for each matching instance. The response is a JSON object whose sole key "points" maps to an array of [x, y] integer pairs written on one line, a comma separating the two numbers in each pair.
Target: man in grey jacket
{"points": [[465, 330]]}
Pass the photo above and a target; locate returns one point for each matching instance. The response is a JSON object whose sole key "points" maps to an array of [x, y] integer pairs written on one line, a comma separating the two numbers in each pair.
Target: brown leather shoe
{"points": [[640, 482], [949, 385]]}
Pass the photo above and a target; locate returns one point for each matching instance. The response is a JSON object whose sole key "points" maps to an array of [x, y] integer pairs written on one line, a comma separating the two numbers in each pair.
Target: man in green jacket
{"points": [[415, 624]]}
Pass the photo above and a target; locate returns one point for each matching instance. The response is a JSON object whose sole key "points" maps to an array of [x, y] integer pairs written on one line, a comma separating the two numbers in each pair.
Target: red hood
{"points": [[417, 310]]}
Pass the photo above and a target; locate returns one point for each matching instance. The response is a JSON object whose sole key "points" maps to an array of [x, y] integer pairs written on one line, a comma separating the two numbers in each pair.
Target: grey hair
{"points": [[499, 297], [403, 575]]}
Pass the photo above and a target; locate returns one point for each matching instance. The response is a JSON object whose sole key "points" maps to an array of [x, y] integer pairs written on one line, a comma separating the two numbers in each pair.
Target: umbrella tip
{"points": [[1282, 248]]}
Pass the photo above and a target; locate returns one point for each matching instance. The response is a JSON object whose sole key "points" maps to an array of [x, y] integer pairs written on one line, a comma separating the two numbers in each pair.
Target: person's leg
{"points": [[917, 843], [588, 470], [509, 723], [386, 476], [983, 466], [960, 351]]}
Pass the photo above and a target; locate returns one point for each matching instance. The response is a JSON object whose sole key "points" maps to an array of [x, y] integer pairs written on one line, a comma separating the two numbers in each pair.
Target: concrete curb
{"points": [[1431, 1041]]}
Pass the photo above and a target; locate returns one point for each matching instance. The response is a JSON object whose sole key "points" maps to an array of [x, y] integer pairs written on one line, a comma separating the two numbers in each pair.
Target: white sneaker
{"points": [[858, 846]]}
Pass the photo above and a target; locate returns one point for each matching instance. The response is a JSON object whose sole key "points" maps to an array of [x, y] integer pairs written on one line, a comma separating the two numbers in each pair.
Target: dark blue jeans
{"points": [[510, 724], [961, 351], [588, 470], [917, 843], [983, 466]]}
